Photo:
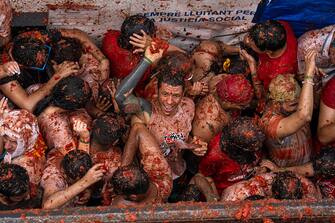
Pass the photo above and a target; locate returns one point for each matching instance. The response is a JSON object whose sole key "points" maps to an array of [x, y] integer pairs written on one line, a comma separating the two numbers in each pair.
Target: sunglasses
{"points": [[46, 60]]}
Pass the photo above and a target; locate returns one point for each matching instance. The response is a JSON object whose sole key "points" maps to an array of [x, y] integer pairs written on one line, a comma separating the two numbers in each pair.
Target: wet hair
{"points": [[282, 183], [70, 93], [235, 65], [67, 49], [107, 129], [269, 35], [134, 24], [167, 76], [130, 180], [14, 180], [255, 197], [26, 51], [76, 163], [324, 163], [241, 139], [191, 193]]}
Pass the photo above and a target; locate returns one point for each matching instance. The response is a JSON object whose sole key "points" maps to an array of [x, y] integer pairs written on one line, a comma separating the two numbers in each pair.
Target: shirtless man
{"points": [[287, 116], [151, 183], [168, 117], [66, 179], [218, 109], [55, 113], [101, 144], [233, 154], [31, 50], [281, 185]]}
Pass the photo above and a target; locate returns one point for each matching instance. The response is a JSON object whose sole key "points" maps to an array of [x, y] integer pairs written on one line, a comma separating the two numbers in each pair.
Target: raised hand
{"points": [[199, 88], [65, 69], [80, 128], [11, 68], [154, 53], [140, 42], [103, 104], [251, 61], [94, 174]]}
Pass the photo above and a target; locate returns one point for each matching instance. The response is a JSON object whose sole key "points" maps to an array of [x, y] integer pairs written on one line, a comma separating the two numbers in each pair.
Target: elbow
{"points": [[47, 205], [305, 116]]}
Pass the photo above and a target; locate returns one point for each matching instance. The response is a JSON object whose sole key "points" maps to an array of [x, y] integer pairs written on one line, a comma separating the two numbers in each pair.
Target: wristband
{"points": [[147, 60], [85, 142], [308, 82], [308, 77]]}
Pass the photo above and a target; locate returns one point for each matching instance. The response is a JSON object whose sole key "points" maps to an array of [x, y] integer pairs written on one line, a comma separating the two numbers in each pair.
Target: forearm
{"points": [[131, 81], [84, 144], [131, 146], [206, 188], [306, 170], [305, 106], [60, 198]]}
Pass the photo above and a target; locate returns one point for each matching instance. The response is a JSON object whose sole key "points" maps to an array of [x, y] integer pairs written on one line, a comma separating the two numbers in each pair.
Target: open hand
{"points": [[140, 42], [80, 128]]}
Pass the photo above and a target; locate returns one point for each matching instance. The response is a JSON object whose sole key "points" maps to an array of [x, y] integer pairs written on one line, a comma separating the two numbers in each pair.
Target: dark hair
{"points": [[269, 35], [27, 51], [324, 163], [76, 163], [236, 65], [173, 68], [70, 93], [14, 180], [134, 24], [107, 129], [241, 138], [67, 49], [191, 193], [282, 186], [130, 180], [255, 197]]}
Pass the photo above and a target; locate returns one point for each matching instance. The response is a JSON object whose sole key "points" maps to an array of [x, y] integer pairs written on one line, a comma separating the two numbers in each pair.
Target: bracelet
{"points": [[308, 77], [147, 60], [309, 82], [85, 142]]}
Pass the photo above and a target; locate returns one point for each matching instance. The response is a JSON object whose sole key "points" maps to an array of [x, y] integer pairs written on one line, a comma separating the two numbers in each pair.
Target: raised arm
{"points": [[56, 199], [14, 91], [128, 102], [303, 115], [90, 47]]}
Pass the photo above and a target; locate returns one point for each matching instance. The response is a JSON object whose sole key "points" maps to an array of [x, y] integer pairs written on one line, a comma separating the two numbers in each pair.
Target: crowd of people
{"points": [[141, 121]]}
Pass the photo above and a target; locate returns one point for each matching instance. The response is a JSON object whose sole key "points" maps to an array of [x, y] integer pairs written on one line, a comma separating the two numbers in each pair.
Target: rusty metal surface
{"points": [[256, 211]]}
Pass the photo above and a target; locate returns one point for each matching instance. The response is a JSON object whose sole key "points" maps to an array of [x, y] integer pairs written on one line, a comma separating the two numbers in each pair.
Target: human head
{"points": [[30, 52], [191, 193], [20, 133], [241, 139], [284, 89], [106, 130], [235, 65], [324, 163], [206, 58], [134, 24], [131, 182], [177, 63], [70, 93], [268, 36], [170, 91], [75, 164], [286, 185], [234, 91], [14, 183], [66, 49]]}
